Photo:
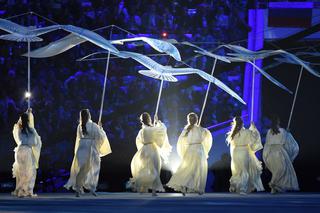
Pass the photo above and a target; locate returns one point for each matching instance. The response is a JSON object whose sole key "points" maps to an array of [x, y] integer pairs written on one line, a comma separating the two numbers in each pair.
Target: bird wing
{"points": [[90, 36], [22, 33], [157, 75], [206, 76], [257, 55], [265, 74], [212, 55], [12, 27], [43, 30], [237, 49], [20, 38], [205, 52], [142, 59], [159, 45], [298, 61], [57, 47]]}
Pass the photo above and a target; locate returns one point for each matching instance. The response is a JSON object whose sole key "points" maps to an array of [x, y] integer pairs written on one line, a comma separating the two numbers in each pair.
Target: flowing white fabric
{"points": [[245, 167], [279, 152], [152, 143], [193, 149], [23, 34], [27, 154], [88, 149]]}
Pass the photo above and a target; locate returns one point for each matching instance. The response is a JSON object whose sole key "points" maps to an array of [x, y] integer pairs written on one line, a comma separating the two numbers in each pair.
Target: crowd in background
{"points": [[61, 86]]}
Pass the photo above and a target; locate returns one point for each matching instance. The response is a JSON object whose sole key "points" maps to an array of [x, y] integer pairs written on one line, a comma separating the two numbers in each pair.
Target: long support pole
{"points": [[104, 87], [29, 78], [252, 92], [295, 98], [104, 84], [159, 97], [208, 88]]}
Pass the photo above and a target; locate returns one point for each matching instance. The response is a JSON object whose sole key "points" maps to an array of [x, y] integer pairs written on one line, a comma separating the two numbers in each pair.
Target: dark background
{"points": [[61, 86]]}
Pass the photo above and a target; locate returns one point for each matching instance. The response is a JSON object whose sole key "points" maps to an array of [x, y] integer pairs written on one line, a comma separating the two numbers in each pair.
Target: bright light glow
{"points": [[27, 95], [174, 162], [164, 34], [174, 166]]}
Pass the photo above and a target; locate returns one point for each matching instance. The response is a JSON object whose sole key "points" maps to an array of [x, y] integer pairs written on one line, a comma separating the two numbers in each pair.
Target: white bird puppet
{"points": [[24, 34]]}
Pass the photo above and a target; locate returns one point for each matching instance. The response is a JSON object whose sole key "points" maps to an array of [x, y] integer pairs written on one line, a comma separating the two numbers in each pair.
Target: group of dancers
{"points": [[153, 148]]}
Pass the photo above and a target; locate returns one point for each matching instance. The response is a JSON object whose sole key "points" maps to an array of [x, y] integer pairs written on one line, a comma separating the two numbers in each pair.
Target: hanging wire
{"points": [[45, 18], [15, 16]]}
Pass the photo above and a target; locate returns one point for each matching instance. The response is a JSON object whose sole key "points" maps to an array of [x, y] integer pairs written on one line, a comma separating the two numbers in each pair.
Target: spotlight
{"points": [[27, 94], [164, 34]]}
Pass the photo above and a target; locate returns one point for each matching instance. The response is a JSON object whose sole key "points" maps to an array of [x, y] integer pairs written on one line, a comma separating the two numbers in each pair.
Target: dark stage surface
{"points": [[165, 202]]}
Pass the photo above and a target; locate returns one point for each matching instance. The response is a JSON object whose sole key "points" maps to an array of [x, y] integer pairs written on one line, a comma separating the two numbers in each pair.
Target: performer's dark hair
{"points": [[275, 122], [192, 121], [25, 128], [84, 118], [145, 118], [237, 126]]}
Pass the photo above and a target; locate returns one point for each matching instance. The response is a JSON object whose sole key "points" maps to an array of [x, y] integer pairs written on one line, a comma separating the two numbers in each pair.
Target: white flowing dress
{"points": [[245, 167], [152, 145], [193, 149], [279, 152], [27, 154], [88, 149]]}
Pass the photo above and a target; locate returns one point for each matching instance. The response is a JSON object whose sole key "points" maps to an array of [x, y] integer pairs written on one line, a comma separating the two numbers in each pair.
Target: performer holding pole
{"points": [[152, 144], [193, 147], [91, 144], [27, 154]]}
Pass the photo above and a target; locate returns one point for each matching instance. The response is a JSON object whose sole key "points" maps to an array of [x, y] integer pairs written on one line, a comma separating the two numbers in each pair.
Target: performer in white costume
{"points": [[245, 167], [91, 144], [193, 148], [27, 155], [152, 144], [279, 152]]}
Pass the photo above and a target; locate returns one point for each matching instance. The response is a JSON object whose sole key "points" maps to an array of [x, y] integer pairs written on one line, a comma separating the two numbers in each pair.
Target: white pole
{"points": [[295, 97], [208, 88], [104, 88], [252, 92], [159, 96], [29, 77], [104, 83]]}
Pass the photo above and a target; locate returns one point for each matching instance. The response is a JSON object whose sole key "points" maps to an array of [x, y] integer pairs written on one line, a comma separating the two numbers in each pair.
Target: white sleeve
{"points": [[139, 140], [162, 136], [207, 142], [291, 146], [36, 148], [255, 139], [16, 134], [102, 141]]}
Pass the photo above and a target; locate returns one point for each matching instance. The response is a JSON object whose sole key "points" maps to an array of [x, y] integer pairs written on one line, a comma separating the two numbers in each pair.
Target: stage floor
{"points": [[165, 202]]}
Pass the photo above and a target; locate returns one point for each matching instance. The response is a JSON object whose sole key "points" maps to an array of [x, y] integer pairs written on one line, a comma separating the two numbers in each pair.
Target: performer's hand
{"points": [[100, 123], [252, 124], [29, 110], [156, 118]]}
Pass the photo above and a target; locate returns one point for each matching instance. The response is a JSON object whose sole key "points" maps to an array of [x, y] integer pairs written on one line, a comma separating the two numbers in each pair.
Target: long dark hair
{"points": [[236, 126], [145, 119], [25, 128], [275, 122], [84, 118], [192, 121]]}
